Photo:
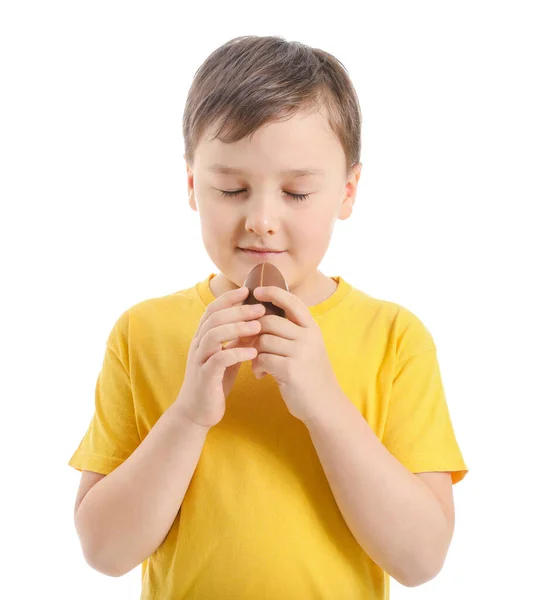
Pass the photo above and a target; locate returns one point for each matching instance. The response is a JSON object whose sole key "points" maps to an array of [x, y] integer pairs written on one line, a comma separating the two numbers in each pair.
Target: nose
{"points": [[261, 217]]}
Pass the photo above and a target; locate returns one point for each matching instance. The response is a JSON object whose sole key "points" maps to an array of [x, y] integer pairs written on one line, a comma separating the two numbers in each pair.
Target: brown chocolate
{"points": [[262, 275]]}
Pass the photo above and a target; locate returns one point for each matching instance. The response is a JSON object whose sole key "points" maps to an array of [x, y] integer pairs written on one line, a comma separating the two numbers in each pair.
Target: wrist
{"points": [[336, 408], [181, 415]]}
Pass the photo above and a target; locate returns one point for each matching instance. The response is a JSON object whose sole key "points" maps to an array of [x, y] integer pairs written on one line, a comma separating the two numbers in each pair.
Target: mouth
{"points": [[260, 255]]}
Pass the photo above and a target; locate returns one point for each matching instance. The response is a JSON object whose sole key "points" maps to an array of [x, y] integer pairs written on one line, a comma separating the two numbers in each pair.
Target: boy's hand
{"points": [[213, 364], [292, 350]]}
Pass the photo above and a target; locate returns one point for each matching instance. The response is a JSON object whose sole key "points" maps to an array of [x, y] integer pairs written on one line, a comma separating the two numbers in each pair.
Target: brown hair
{"points": [[251, 81]]}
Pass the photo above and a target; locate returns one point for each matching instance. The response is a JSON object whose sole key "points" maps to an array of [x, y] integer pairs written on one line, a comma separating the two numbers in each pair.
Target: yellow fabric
{"points": [[259, 521]]}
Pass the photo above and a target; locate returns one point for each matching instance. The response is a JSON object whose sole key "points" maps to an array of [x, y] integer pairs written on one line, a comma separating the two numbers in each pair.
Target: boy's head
{"points": [[265, 106]]}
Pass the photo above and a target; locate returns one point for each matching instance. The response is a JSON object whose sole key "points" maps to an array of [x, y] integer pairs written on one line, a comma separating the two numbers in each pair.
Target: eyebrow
{"points": [[218, 168]]}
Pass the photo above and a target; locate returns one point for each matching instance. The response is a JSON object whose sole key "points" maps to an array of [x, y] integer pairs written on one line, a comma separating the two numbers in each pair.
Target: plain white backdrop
{"points": [[95, 218]]}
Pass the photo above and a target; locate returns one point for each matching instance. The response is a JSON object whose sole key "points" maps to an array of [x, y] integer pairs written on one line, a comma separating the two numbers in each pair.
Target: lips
{"points": [[261, 250], [261, 254]]}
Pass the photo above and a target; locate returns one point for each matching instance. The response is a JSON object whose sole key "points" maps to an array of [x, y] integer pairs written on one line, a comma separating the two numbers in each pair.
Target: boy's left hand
{"points": [[294, 353]]}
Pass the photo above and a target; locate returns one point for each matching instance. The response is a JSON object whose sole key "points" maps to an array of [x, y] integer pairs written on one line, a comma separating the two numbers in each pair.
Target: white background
{"points": [[94, 219]]}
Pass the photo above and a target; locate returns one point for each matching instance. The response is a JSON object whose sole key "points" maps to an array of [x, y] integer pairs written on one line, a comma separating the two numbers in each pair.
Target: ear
{"points": [[191, 201], [191, 191], [350, 190]]}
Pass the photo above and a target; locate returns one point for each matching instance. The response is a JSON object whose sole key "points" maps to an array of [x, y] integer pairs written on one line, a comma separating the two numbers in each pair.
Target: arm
{"points": [[127, 515], [392, 514]]}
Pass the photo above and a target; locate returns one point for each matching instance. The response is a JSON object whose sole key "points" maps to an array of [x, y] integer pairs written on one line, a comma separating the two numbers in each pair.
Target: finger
{"points": [[293, 306], [213, 340], [278, 326], [234, 315], [248, 340], [220, 361], [229, 324], [227, 300], [240, 342], [272, 344]]}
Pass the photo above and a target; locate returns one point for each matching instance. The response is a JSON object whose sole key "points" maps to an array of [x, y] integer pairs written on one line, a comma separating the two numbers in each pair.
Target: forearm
{"points": [[392, 514], [127, 515]]}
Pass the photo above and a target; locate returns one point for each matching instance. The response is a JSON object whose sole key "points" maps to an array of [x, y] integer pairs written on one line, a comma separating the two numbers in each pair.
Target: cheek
{"points": [[314, 231], [216, 226]]}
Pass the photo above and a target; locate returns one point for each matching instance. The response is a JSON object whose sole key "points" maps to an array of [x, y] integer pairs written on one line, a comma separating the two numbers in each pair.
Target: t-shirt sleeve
{"points": [[418, 429], [112, 435]]}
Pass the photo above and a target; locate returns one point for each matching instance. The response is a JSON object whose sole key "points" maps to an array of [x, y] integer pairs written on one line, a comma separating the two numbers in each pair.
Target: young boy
{"points": [[243, 456]]}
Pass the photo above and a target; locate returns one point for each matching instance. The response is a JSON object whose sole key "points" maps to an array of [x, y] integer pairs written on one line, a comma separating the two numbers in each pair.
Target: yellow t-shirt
{"points": [[259, 521]]}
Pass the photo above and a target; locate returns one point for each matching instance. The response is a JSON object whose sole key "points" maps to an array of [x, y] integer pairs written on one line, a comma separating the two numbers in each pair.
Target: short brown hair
{"points": [[253, 80]]}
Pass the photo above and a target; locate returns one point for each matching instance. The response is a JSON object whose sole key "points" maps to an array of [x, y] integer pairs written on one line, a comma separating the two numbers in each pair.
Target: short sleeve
{"points": [[418, 429], [112, 435]]}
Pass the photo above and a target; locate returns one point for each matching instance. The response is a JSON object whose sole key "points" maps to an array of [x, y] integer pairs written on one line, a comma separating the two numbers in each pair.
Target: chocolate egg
{"points": [[262, 275]]}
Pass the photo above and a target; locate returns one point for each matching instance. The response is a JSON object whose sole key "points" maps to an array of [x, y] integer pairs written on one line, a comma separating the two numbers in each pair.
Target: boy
{"points": [[247, 456]]}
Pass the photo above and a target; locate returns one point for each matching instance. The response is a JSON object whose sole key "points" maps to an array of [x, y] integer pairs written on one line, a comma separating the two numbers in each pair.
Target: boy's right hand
{"points": [[211, 369]]}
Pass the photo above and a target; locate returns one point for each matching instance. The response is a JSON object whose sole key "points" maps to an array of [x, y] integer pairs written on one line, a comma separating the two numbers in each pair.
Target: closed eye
{"points": [[297, 197]]}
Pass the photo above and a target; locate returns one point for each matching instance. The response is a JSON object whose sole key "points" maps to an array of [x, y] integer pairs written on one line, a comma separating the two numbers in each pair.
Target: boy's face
{"points": [[263, 214]]}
